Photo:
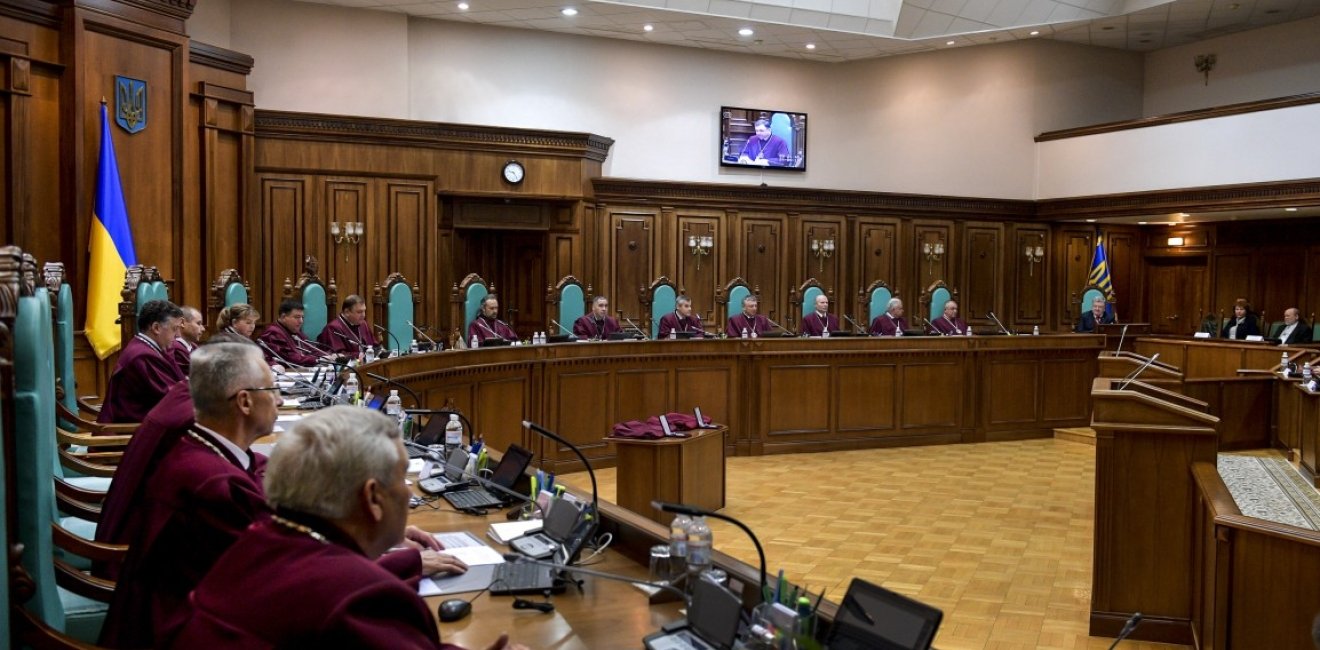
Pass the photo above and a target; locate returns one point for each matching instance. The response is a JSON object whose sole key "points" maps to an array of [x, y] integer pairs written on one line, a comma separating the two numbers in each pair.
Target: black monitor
{"points": [[874, 618], [511, 467]]}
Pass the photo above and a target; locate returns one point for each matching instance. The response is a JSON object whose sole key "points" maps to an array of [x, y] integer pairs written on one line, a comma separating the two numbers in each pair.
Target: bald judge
{"points": [[597, 324], [748, 323], [948, 324], [349, 334], [337, 485], [144, 371], [487, 324], [820, 321]]}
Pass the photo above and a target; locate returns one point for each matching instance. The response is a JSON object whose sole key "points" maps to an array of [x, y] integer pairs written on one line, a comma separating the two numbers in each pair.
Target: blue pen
{"points": [[550, 482]]}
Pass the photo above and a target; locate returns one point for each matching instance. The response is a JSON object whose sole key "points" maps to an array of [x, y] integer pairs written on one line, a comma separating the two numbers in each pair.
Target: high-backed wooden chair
{"points": [[228, 289], [803, 300], [729, 299], [933, 299], [142, 284], [319, 299], [396, 307], [568, 302], [657, 300], [466, 297], [873, 301]]}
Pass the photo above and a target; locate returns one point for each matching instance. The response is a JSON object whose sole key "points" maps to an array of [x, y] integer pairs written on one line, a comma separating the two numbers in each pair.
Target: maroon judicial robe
{"points": [[945, 327], [140, 379], [277, 587], [757, 324], [886, 325], [672, 322], [587, 327], [814, 324], [181, 353], [282, 342], [341, 338], [490, 328]]}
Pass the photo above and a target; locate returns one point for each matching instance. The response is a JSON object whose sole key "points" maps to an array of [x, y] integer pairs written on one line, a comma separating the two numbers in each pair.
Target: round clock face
{"points": [[514, 172]]}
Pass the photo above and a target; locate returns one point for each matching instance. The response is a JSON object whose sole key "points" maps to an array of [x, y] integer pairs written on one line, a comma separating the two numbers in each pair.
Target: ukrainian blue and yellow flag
{"points": [[111, 243], [1100, 274]]}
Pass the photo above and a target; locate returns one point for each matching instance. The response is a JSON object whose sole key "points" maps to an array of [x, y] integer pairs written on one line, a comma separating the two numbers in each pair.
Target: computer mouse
{"points": [[454, 609]]}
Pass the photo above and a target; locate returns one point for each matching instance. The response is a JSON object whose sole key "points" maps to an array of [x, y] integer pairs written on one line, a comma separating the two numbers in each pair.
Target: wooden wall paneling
{"points": [[1030, 295], [285, 202], [982, 289], [1023, 375], [1123, 248], [403, 242], [1310, 299], [864, 399], [700, 275], [792, 419], [926, 409], [713, 388], [220, 237], [827, 267], [1277, 282], [1075, 245], [874, 255], [31, 194], [504, 403], [1232, 280], [761, 253], [585, 427], [929, 270], [345, 200], [631, 259]]}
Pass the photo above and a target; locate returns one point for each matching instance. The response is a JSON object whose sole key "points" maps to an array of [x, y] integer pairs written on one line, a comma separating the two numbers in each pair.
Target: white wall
{"points": [[1264, 63], [210, 23]]}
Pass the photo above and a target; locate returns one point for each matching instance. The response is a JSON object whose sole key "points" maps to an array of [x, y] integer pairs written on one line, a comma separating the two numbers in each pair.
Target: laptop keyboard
{"points": [[472, 499], [521, 577]]}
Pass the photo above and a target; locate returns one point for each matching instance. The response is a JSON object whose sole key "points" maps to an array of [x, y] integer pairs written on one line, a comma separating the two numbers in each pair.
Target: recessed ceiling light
{"points": [[1090, 221], [463, 6], [746, 31], [648, 27], [568, 11], [1290, 209], [1036, 33], [951, 42], [811, 46], [1141, 223]]}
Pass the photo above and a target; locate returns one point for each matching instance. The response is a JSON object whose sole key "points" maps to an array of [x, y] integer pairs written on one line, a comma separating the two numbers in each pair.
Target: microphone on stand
{"points": [[356, 343], [326, 399], [781, 327], [1128, 628], [1137, 373], [517, 557], [430, 340], [1001, 325], [563, 329], [856, 327], [1120, 340], [694, 511], [397, 342], [933, 329], [305, 344], [595, 498], [635, 327], [286, 362]]}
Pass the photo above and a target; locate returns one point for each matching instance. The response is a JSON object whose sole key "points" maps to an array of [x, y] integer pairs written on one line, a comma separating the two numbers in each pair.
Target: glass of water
{"points": [[661, 565]]}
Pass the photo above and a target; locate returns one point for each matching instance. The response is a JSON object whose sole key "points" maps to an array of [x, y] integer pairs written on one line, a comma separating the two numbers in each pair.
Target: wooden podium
{"points": [[1146, 441], [680, 470]]}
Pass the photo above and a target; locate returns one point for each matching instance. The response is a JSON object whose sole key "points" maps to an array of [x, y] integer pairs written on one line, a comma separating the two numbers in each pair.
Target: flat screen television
{"points": [[754, 137]]}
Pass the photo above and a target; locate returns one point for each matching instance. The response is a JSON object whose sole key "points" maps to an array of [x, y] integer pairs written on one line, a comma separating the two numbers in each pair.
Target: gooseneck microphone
{"points": [[307, 346], [423, 335], [397, 342], [933, 329], [856, 327], [635, 327], [1001, 325], [1128, 628], [1137, 373], [394, 382], [694, 511], [595, 498], [277, 356], [356, 343], [781, 327], [1121, 336], [322, 394], [568, 568], [563, 329]]}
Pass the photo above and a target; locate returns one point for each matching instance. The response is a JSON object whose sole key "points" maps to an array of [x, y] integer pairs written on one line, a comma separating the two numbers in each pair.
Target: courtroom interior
{"points": [[995, 320]]}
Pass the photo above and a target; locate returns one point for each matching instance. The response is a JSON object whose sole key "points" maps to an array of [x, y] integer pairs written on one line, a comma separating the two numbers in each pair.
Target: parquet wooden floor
{"points": [[997, 535]]}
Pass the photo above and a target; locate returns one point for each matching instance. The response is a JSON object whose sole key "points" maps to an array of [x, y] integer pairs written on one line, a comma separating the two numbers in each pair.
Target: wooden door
{"points": [[1177, 295]]}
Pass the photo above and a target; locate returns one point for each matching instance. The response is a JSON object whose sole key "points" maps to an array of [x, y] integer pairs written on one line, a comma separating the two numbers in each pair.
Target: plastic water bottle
{"points": [[351, 387], [394, 406], [678, 540], [969, 330], [1306, 373], [369, 354], [1284, 364], [476, 343], [412, 347], [744, 332], [453, 431], [700, 540], [1035, 330], [825, 334]]}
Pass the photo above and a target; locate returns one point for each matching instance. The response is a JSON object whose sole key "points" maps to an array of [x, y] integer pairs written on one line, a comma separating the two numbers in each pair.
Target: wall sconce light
{"points": [[933, 253], [1176, 241], [1035, 254], [349, 233], [701, 246], [1204, 64], [822, 249]]}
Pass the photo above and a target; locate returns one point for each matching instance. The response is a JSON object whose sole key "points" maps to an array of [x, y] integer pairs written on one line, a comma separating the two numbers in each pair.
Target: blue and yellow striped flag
{"points": [[111, 243], [1100, 274]]}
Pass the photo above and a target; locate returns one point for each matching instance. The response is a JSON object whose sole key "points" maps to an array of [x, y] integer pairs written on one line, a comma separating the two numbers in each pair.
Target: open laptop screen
{"points": [[872, 617], [511, 467]]}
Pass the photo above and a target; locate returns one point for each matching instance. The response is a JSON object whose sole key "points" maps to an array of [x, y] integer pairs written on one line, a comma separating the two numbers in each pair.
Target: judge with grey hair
{"points": [[890, 323]]}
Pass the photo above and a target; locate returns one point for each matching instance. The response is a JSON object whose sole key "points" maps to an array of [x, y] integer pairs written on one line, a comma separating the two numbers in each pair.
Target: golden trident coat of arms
{"points": [[130, 104]]}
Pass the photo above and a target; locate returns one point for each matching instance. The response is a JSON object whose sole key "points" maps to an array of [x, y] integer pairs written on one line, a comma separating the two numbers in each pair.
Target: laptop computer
{"points": [[712, 622], [874, 618], [507, 473], [526, 578]]}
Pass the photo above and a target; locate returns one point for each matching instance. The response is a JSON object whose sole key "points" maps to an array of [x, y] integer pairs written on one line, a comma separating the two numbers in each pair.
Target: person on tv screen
{"points": [[765, 148]]}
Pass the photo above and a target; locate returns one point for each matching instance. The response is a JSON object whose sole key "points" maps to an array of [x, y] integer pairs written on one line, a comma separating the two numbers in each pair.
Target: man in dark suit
{"points": [[1097, 316], [1295, 330]]}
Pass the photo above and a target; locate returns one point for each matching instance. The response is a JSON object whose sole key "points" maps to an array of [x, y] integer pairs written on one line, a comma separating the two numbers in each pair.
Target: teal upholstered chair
{"points": [[874, 299], [62, 294], [730, 297], [1091, 292], [568, 302], [934, 298], [319, 300], [657, 300], [229, 289], [803, 300], [61, 597], [396, 305], [466, 297], [782, 126], [142, 284]]}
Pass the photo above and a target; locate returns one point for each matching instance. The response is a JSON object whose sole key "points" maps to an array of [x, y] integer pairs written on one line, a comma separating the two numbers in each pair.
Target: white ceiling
{"points": [[845, 30]]}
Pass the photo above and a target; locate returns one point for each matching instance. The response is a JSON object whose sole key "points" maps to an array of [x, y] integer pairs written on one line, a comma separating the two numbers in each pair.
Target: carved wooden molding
{"points": [[1201, 199], [778, 198], [1185, 116], [181, 9], [46, 14], [220, 58], [343, 128]]}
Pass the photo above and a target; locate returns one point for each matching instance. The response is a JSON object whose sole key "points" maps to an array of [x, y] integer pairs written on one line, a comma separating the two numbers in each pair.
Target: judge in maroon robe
{"points": [[948, 324], [191, 329], [143, 372], [681, 320], [284, 341], [890, 323], [820, 321], [305, 578], [349, 334], [487, 324], [748, 323], [597, 324]]}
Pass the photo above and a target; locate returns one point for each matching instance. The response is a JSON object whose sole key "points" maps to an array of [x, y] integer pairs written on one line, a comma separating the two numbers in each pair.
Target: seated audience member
{"points": [[765, 148], [748, 323], [1242, 324], [337, 485], [597, 323], [284, 340], [681, 320], [890, 323], [487, 324], [349, 334], [820, 321], [1097, 316], [948, 324], [144, 371], [191, 329], [1295, 330], [239, 319]]}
